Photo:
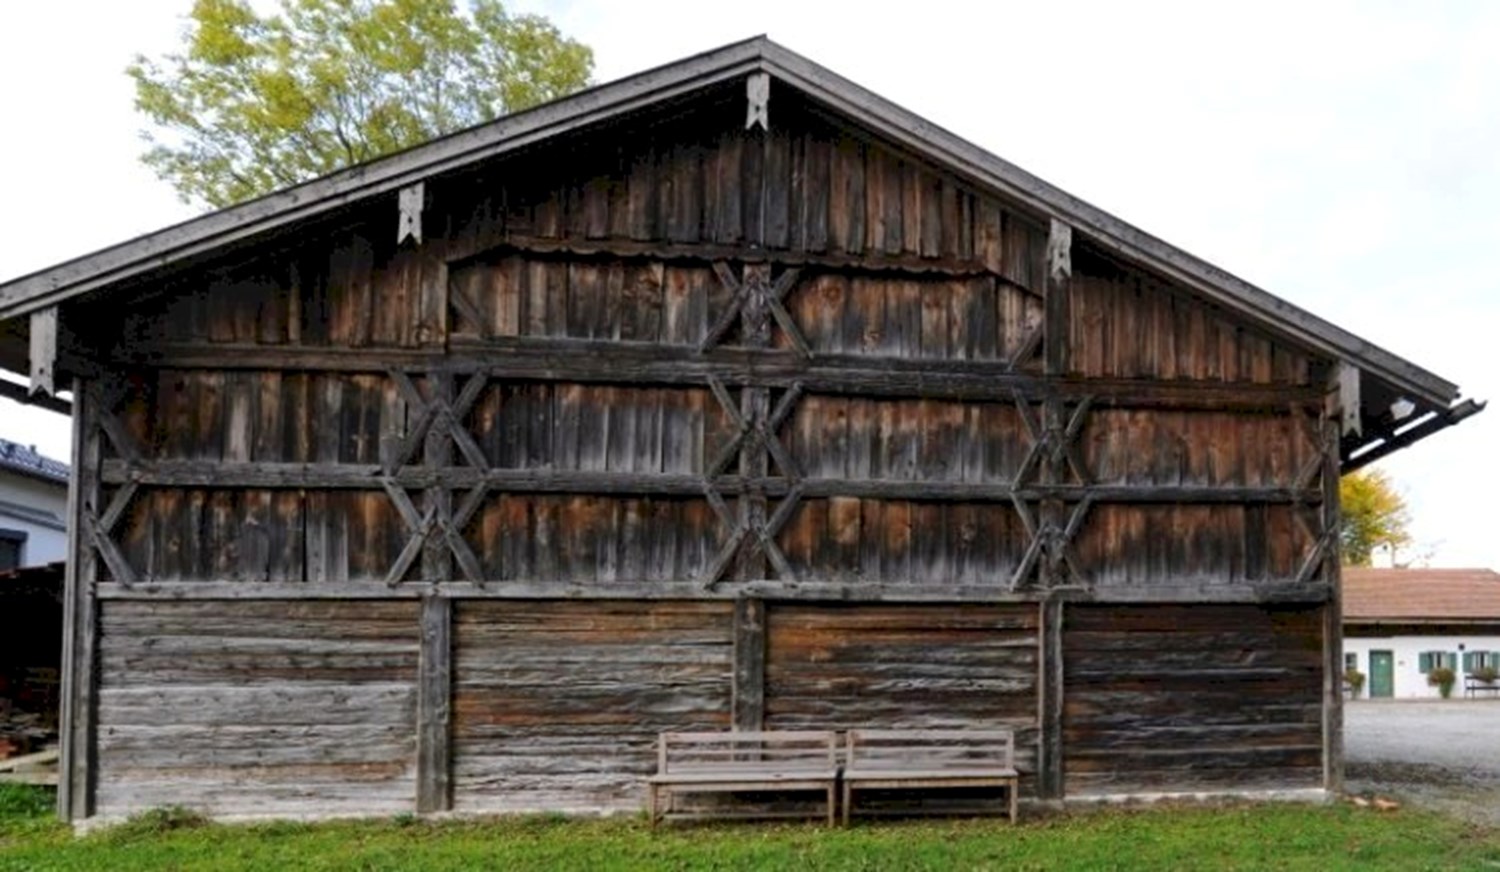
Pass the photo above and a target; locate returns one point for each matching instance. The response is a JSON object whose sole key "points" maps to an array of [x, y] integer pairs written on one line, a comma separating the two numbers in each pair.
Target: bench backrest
{"points": [[750, 751], [930, 749]]}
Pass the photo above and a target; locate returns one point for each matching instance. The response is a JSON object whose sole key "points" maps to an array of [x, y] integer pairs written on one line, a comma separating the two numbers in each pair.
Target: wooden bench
{"points": [[728, 762], [917, 759]]}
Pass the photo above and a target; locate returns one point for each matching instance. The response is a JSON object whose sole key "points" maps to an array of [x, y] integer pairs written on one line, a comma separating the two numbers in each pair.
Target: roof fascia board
{"points": [[1225, 289], [198, 235]]}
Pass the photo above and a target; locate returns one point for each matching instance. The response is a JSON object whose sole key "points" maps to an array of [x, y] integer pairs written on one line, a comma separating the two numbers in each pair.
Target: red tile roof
{"points": [[1393, 595]]}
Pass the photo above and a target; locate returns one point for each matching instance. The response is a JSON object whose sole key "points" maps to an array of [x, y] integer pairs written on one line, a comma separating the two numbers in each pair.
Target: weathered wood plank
{"points": [[368, 477], [1050, 691], [585, 361], [748, 695], [77, 768], [238, 707], [434, 708]]}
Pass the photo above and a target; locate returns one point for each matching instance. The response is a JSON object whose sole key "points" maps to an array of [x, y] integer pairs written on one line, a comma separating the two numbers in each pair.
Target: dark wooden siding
{"points": [[670, 364], [258, 708], [1126, 323], [558, 704], [832, 666], [1192, 697]]}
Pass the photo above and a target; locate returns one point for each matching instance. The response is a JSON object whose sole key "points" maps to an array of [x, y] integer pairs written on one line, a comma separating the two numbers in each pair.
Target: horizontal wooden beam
{"points": [[619, 249], [223, 474], [889, 590], [604, 362], [1391, 443], [21, 394]]}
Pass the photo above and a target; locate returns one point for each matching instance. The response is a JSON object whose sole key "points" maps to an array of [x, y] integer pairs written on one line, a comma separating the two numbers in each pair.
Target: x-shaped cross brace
{"points": [[1048, 540], [420, 527], [1052, 441], [1057, 444], [753, 294], [436, 413], [437, 416], [753, 434], [760, 433]]}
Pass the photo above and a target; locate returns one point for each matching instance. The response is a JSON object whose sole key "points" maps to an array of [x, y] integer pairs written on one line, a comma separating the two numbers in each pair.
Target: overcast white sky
{"points": [[1345, 156]]}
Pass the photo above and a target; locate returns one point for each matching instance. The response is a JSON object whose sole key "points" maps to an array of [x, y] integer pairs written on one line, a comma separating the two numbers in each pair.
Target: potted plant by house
{"points": [[1488, 676], [1442, 678], [1356, 681]]}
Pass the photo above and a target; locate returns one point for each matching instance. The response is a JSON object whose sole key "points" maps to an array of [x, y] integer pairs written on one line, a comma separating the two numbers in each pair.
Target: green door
{"points": [[1382, 676]]}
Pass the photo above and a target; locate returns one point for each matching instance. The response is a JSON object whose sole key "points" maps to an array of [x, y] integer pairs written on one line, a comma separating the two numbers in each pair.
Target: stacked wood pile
{"points": [[30, 651]]}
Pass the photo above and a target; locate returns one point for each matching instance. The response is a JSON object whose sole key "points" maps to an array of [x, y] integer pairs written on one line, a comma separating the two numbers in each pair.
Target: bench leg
{"points": [[651, 805], [832, 803], [1012, 789], [848, 800]]}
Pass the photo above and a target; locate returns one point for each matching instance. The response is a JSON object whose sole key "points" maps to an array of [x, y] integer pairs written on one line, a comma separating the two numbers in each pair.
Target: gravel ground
{"points": [[1441, 755]]}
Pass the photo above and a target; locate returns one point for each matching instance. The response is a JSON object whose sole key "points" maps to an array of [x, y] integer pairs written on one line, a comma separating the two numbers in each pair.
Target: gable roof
{"points": [[201, 235], [1420, 595]]}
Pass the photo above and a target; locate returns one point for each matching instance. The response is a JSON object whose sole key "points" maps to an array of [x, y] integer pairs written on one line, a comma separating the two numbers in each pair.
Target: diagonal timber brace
{"points": [[755, 300]]}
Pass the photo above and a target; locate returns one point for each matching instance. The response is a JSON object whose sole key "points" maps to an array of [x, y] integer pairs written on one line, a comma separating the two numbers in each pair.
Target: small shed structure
{"points": [[725, 395], [1400, 624]]}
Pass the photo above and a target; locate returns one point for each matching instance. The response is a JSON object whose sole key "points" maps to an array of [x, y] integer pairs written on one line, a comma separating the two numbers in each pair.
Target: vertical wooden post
{"points": [[1055, 296], [755, 406], [1058, 288], [76, 773], [1333, 610], [437, 557], [43, 350], [1049, 761], [748, 696], [434, 708]]}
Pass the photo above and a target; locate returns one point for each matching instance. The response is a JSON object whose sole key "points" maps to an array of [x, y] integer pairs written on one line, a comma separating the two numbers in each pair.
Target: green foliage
{"points": [[1374, 516], [1442, 678], [24, 801], [254, 103], [1487, 674], [1240, 836], [156, 822], [1356, 680]]}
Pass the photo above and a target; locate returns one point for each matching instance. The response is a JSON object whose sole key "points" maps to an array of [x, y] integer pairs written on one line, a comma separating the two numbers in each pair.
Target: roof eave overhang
{"points": [[197, 236], [202, 235]]}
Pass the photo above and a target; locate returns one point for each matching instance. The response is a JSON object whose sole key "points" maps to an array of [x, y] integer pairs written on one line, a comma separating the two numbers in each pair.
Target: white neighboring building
{"points": [[1400, 623], [33, 504]]}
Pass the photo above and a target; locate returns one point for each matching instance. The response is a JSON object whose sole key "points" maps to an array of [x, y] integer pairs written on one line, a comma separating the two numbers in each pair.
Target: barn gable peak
{"points": [[762, 66]]}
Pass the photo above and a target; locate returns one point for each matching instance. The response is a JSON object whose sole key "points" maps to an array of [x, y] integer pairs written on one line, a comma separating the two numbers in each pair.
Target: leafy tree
{"points": [[1375, 516], [255, 103]]}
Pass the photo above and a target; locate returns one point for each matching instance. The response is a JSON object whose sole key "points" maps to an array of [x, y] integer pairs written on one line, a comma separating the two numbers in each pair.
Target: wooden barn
{"points": [[728, 395]]}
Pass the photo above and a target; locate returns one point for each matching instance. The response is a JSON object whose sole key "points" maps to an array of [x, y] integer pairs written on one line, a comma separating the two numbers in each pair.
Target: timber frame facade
{"points": [[726, 395]]}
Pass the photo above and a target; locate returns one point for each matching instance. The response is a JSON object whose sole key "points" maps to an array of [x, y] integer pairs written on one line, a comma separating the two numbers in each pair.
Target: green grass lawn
{"points": [[1232, 837]]}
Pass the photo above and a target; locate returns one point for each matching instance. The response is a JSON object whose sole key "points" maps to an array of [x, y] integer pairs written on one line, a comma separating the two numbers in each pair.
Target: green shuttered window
{"points": [[1481, 660]]}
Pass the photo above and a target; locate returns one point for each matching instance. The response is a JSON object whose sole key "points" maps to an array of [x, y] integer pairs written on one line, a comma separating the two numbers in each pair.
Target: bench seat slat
{"points": [[929, 774], [778, 778]]}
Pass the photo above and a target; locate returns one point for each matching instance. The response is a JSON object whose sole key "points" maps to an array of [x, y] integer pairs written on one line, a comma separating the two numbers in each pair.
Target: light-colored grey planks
{"points": [[557, 704], [914, 666], [256, 708], [1192, 697]]}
